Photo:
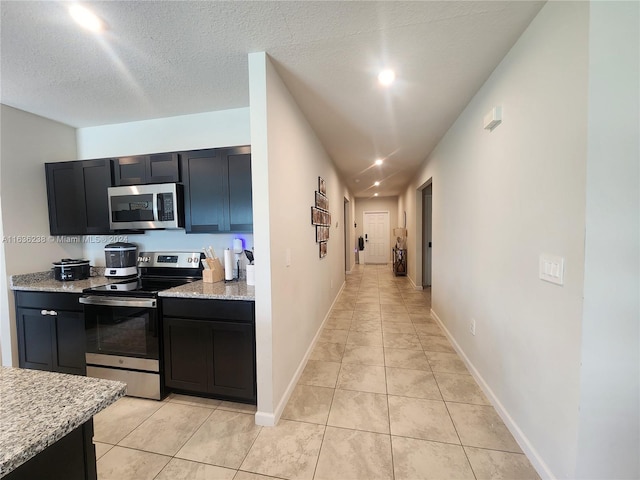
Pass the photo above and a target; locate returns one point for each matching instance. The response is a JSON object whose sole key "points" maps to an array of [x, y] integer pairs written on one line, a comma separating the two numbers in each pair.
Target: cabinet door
{"points": [[162, 168], [233, 360], [205, 190], [131, 170], [65, 194], [69, 345], [36, 339], [186, 347], [239, 177], [144, 169], [97, 177]]}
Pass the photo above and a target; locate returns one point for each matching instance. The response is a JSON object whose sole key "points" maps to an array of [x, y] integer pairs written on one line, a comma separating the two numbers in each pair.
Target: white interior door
{"points": [[376, 237]]}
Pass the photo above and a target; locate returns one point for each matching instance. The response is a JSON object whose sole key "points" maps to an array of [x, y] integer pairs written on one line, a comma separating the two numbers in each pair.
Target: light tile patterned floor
{"points": [[383, 396]]}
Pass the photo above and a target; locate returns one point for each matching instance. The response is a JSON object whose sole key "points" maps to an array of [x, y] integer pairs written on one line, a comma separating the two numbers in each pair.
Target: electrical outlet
{"points": [[472, 327]]}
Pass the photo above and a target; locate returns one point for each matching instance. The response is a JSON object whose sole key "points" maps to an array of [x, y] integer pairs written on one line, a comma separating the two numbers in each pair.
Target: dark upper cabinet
{"points": [[51, 332], [65, 195], [217, 188], [204, 191], [240, 197], [97, 177], [77, 196], [144, 169]]}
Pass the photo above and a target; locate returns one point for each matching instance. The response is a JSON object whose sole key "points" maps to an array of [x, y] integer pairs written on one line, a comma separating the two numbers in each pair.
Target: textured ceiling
{"points": [[165, 58]]}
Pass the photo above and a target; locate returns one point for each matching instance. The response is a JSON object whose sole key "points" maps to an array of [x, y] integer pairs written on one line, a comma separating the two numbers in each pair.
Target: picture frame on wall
{"points": [[323, 249], [322, 186], [316, 216], [322, 201], [322, 233]]}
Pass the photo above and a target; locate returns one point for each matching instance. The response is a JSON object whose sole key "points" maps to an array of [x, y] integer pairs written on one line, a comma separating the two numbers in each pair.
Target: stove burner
{"points": [[139, 286], [164, 270]]}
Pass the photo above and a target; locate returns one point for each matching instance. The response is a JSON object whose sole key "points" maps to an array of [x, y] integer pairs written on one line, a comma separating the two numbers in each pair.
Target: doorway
{"points": [[427, 234], [376, 237], [347, 241]]}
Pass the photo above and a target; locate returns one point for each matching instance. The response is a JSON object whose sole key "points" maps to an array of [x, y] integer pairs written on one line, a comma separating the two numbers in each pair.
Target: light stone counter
{"points": [[39, 408], [44, 282], [218, 291]]}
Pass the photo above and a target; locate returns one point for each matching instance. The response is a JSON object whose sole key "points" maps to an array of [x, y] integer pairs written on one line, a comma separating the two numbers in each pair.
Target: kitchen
{"points": [[285, 168], [107, 321]]}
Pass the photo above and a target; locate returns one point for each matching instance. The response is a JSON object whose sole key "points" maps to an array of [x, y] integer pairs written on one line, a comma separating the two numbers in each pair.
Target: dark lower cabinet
{"points": [[51, 332], [73, 457], [209, 347]]}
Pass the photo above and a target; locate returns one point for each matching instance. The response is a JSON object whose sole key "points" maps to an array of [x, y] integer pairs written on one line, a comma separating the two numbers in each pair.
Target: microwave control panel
{"points": [[165, 213]]}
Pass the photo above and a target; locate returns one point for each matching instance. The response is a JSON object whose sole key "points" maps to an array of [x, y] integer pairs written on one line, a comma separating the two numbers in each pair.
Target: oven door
{"points": [[123, 343], [122, 327]]}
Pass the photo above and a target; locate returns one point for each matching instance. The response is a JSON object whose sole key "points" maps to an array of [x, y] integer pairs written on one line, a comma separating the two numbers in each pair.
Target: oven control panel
{"points": [[170, 259]]}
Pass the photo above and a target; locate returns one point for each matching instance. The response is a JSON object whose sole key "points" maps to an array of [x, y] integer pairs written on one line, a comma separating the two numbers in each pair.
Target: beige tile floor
{"points": [[383, 396]]}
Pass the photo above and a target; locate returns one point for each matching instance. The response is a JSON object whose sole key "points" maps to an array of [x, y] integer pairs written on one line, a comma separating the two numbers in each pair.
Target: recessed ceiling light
{"points": [[375, 194], [376, 183], [386, 77], [86, 18], [357, 180], [379, 161]]}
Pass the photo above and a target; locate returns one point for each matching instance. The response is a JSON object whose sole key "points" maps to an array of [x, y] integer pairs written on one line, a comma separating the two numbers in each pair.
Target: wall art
{"points": [[321, 218], [323, 249]]}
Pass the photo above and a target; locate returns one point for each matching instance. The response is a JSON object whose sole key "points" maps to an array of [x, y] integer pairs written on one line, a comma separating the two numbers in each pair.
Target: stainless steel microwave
{"points": [[146, 207]]}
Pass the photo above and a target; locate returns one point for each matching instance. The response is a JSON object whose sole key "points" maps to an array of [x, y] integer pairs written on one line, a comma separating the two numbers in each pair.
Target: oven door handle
{"points": [[119, 301]]}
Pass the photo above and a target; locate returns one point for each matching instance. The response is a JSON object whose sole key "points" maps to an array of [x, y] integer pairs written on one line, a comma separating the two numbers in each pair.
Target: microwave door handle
{"points": [[155, 206], [160, 205]]}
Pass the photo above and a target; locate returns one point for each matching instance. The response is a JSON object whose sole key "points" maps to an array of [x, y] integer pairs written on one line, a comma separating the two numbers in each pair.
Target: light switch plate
{"points": [[287, 257], [552, 268]]}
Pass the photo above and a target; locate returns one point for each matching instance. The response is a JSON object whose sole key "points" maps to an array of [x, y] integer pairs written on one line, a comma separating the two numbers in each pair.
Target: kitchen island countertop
{"points": [[38, 408]]}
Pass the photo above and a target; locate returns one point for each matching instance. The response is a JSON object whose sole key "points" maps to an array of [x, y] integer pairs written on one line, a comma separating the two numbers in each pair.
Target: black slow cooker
{"points": [[69, 269]]}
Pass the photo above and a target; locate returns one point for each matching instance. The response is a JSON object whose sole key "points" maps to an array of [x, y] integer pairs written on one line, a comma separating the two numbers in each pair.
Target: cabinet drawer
{"points": [[206, 309], [49, 300]]}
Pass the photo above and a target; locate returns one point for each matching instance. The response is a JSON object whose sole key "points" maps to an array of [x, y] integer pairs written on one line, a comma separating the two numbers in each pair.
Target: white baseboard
{"points": [[532, 454], [415, 287], [267, 419]]}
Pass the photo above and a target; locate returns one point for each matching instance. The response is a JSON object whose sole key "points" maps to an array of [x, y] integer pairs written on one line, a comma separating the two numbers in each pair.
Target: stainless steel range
{"points": [[122, 321]]}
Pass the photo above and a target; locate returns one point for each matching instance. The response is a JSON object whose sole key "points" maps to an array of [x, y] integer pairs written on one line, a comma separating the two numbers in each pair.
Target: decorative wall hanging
{"points": [[323, 249], [320, 217]]}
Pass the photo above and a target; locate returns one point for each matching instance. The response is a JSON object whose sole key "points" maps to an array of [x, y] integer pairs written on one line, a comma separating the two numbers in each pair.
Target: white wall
{"points": [[379, 204], [28, 142], [289, 158], [609, 434], [186, 132], [500, 199]]}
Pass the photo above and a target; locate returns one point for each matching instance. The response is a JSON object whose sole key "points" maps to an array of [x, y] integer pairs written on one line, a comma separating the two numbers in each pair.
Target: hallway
{"points": [[383, 396]]}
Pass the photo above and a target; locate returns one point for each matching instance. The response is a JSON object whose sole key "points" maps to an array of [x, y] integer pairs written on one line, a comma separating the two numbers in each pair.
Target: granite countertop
{"points": [[219, 291], [45, 282], [39, 408]]}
